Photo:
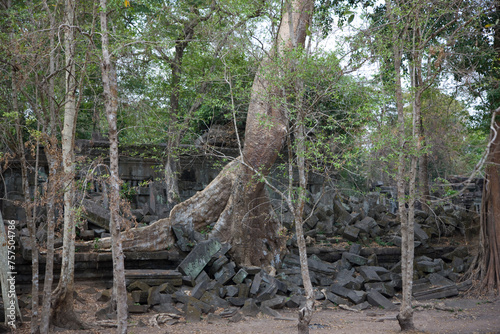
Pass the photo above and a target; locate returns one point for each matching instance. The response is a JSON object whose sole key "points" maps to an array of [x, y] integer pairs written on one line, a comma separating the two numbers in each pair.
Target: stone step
{"points": [[153, 277]]}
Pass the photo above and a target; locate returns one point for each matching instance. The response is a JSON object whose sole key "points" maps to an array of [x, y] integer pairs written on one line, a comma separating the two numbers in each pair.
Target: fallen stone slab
{"points": [[369, 274], [437, 293], [213, 300], [198, 258], [354, 259], [351, 233], [336, 299], [96, 214], [153, 277], [375, 298]]}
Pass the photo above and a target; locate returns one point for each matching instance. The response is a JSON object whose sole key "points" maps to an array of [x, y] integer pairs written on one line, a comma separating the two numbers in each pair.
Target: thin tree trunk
{"points": [[51, 148], [405, 316], [119, 300], [63, 314]]}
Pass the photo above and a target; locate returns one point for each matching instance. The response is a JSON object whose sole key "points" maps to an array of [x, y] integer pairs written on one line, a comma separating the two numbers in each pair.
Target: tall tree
{"points": [[119, 300], [63, 314], [236, 201]]}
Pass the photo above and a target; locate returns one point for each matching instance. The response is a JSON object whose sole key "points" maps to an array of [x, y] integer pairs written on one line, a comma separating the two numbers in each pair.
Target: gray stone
{"points": [[278, 302], [336, 299], [213, 300], [375, 298], [138, 285], [369, 274], [268, 292], [269, 311], [240, 276], [366, 225], [231, 290], [437, 293], [140, 297], [363, 306], [439, 280], [218, 264], [351, 233], [385, 289], [198, 258], [237, 301], [420, 234], [295, 301], [193, 313], [199, 289], [355, 249], [342, 215], [354, 259], [250, 308], [352, 295], [226, 273], [255, 284]]}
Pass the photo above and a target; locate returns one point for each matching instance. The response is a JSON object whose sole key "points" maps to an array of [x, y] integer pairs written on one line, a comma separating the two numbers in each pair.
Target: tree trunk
{"points": [[51, 150], [236, 200], [119, 300], [63, 314], [405, 316], [490, 216]]}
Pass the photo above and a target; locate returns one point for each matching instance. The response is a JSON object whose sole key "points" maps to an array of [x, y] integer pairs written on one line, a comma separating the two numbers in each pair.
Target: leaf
{"points": [[126, 3], [350, 19]]}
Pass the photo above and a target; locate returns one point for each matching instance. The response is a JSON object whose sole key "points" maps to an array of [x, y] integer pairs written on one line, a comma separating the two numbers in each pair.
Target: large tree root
{"points": [[240, 210]]}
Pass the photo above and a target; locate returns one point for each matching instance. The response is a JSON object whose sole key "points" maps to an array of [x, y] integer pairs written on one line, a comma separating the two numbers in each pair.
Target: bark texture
{"points": [[488, 270], [119, 300], [63, 314]]}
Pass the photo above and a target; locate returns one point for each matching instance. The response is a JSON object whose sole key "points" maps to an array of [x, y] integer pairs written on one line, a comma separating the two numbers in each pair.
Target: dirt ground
{"points": [[458, 315]]}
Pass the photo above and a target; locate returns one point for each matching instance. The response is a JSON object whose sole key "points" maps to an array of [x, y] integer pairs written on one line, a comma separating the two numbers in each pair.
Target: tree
{"points": [[236, 200], [486, 265], [62, 304], [119, 300]]}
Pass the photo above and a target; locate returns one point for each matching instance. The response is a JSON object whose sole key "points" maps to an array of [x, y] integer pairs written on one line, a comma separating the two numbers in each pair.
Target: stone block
{"points": [[295, 301], [225, 274], [231, 290], [278, 302], [138, 285], [369, 274], [351, 233], [352, 295], [140, 297], [336, 299], [439, 280], [240, 276], [237, 301], [250, 308], [137, 308], [354, 259], [193, 313], [213, 300], [199, 289], [355, 249], [437, 293], [385, 289], [198, 258], [375, 298], [366, 225], [420, 234]]}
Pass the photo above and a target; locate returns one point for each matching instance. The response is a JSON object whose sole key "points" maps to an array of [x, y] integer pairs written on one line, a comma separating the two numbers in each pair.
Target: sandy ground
{"points": [[458, 315]]}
